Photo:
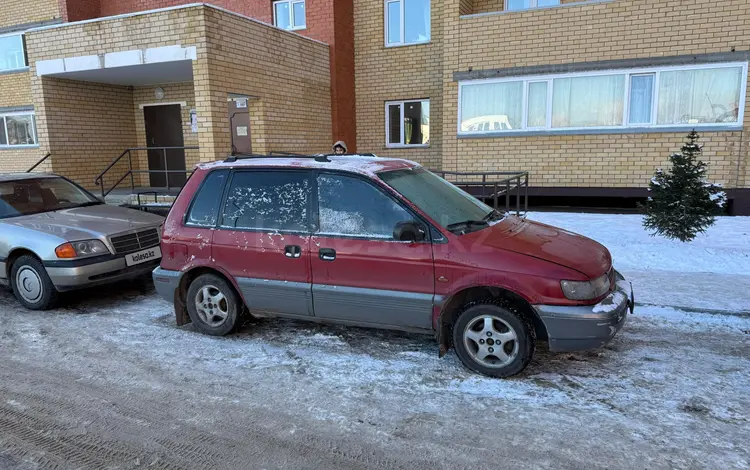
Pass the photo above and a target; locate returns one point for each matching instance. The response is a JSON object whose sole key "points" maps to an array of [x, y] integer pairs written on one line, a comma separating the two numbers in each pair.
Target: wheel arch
{"points": [[14, 254], [453, 305], [180, 300]]}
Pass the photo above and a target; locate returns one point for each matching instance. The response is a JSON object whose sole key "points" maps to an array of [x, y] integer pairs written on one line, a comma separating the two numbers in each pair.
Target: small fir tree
{"points": [[683, 203]]}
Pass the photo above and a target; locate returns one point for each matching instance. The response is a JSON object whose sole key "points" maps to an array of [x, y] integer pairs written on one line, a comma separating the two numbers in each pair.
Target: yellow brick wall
{"points": [[395, 73], [15, 89], [622, 29], [288, 74], [87, 126], [176, 92], [18, 12]]}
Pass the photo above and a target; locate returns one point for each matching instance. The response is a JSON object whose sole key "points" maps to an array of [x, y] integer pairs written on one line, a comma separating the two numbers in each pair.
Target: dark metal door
{"points": [[239, 122], [164, 129]]}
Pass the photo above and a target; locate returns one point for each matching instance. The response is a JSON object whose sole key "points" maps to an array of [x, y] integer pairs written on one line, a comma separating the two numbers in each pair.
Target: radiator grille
{"points": [[124, 244]]}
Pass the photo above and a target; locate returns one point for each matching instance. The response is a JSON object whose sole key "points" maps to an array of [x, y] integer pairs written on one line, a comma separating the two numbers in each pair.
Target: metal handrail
{"points": [[99, 180], [41, 160], [509, 184]]}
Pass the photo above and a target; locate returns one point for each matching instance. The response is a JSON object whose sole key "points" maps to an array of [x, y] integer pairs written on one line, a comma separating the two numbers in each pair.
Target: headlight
{"points": [[81, 249], [586, 290]]}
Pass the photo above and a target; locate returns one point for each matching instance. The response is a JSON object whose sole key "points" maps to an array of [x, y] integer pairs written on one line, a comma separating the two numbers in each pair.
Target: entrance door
{"points": [[239, 121], [164, 129], [361, 274]]}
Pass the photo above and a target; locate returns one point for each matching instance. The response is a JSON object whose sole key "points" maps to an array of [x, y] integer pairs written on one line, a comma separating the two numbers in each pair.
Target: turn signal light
{"points": [[66, 251]]}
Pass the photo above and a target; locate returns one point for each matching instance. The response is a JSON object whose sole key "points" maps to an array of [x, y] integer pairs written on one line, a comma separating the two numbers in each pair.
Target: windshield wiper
{"points": [[494, 215], [467, 224]]}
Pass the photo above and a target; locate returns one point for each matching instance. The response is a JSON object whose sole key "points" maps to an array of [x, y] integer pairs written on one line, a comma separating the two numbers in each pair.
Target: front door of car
{"points": [[361, 273], [263, 239]]}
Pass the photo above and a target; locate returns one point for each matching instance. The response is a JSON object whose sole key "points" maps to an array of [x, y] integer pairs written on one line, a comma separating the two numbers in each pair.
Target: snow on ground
{"points": [[711, 273], [109, 379]]}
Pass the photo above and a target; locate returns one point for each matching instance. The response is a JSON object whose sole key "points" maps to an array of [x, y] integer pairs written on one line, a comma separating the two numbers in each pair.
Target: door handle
{"points": [[293, 251], [327, 254]]}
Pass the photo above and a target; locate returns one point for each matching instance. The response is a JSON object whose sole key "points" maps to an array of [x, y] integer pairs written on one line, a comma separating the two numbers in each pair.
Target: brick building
{"points": [[589, 96]]}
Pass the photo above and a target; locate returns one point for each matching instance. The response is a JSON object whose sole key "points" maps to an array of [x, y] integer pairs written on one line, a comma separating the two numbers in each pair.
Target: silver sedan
{"points": [[56, 236]]}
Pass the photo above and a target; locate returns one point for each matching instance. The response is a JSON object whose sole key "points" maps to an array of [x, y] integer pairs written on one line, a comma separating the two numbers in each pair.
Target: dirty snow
{"points": [[109, 380]]}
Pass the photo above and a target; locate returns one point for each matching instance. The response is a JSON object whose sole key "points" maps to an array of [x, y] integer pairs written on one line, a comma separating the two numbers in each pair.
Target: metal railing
{"points": [[99, 180], [492, 186], [41, 160]]}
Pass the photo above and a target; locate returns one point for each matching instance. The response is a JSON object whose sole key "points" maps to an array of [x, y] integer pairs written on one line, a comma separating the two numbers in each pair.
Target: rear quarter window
{"points": [[204, 209]]}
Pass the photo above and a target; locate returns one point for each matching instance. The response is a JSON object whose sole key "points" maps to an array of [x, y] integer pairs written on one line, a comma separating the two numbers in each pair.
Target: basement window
{"points": [[407, 123], [17, 130], [12, 53], [290, 14], [407, 22]]}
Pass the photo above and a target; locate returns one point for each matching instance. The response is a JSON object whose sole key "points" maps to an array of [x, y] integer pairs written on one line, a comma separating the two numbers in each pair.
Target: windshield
{"points": [[32, 196], [443, 202]]}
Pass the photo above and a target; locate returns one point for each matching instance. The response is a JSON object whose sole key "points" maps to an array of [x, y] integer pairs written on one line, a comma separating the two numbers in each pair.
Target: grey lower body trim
{"points": [[373, 306], [166, 282], [267, 296], [590, 326], [96, 274]]}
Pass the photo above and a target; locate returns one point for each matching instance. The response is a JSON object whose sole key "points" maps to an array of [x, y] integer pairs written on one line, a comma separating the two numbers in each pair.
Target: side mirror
{"points": [[410, 231]]}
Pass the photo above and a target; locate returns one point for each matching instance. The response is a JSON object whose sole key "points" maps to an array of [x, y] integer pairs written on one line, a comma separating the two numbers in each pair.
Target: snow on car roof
{"points": [[362, 164]]}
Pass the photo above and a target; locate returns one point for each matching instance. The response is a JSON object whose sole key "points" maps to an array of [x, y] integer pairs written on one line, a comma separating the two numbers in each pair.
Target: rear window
{"points": [[205, 207], [268, 200]]}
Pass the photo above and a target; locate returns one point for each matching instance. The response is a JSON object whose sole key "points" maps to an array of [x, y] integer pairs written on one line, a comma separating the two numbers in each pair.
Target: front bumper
{"points": [[97, 273], [580, 328]]}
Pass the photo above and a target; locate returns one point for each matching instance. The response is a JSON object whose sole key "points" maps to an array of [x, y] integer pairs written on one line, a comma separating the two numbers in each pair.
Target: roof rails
{"points": [[242, 156]]}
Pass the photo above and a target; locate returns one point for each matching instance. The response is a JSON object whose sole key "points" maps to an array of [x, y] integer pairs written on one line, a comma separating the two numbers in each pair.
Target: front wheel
{"points": [[31, 284], [213, 305], [493, 338]]}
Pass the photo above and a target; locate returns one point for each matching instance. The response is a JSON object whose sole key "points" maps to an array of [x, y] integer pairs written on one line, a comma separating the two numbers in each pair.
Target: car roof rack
{"points": [[243, 156]]}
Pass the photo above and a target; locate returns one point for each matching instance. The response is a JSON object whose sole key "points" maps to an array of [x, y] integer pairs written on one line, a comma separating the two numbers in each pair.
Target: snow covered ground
{"points": [[110, 381]]}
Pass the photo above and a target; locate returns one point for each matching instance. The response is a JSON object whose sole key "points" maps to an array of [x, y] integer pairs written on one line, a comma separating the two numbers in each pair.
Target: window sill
{"points": [[391, 147], [627, 130], [393, 46], [14, 71], [18, 147]]}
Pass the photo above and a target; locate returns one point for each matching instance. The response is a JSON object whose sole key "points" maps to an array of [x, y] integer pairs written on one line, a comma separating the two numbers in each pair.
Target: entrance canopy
{"points": [[169, 64]]}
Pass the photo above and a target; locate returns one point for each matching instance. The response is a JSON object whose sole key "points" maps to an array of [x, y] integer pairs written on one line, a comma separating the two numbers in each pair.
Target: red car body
{"points": [[515, 259]]}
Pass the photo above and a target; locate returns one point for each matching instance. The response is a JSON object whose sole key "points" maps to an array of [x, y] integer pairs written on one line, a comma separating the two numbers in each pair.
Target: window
{"points": [[205, 206], [268, 200], [17, 129], [33, 196], [12, 54], [407, 123], [289, 14], [685, 96], [352, 207], [526, 4], [407, 22], [445, 203]]}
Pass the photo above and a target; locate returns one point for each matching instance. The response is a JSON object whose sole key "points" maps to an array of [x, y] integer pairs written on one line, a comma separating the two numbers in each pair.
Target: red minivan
{"points": [[383, 243]]}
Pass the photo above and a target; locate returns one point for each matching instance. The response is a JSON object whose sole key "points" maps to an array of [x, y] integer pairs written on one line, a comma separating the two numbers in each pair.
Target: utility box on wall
{"points": [[239, 122]]}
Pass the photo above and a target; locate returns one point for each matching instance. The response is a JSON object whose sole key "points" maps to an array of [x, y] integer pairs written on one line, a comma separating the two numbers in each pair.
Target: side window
{"points": [[350, 206], [268, 200], [205, 206]]}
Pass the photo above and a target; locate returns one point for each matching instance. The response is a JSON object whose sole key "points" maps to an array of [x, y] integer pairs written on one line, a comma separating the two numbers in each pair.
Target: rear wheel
{"points": [[493, 338], [213, 305], [31, 284]]}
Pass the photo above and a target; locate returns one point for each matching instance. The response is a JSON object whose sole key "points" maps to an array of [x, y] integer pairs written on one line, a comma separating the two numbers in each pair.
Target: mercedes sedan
{"points": [[55, 236]]}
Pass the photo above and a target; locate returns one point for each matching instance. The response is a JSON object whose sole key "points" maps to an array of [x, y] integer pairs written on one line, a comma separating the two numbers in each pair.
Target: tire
{"points": [[517, 336], [31, 284], [213, 305]]}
